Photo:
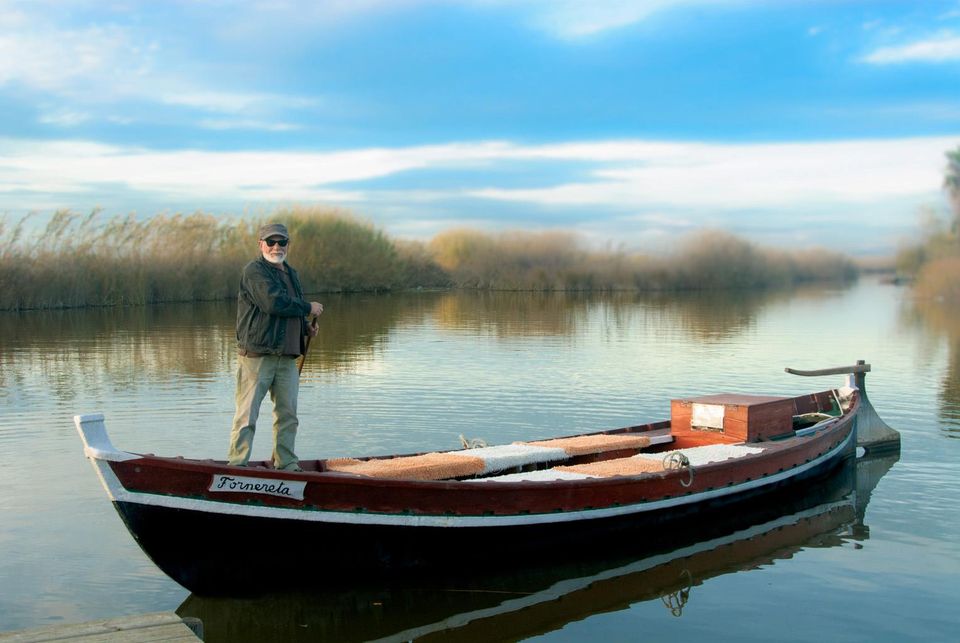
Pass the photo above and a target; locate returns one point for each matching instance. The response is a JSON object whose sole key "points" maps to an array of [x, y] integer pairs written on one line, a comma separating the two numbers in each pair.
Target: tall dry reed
{"points": [[81, 260], [76, 260], [939, 280], [933, 264], [557, 261]]}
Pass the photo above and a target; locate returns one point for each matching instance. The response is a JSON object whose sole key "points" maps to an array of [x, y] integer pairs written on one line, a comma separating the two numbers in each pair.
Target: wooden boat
{"points": [[201, 521], [538, 597]]}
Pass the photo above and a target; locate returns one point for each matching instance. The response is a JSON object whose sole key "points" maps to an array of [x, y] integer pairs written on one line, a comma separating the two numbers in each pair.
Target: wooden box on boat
{"points": [[747, 418]]}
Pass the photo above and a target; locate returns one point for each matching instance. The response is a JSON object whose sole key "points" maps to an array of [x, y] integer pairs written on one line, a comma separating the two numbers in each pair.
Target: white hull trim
{"points": [[118, 493]]}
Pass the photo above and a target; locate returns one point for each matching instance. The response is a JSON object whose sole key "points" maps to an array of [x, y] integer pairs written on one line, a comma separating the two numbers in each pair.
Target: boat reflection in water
{"points": [[545, 596]]}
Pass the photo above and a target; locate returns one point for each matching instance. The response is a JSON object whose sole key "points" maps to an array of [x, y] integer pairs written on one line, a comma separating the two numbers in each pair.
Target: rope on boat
{"points": [[475, 443], [675, 461]]}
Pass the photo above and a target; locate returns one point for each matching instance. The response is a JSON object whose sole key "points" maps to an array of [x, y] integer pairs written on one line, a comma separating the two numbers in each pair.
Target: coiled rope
{"points": [[675, 461]]}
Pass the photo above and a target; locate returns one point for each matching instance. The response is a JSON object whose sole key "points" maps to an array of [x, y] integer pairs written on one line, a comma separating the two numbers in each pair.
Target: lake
{"points": [[871, 556]]}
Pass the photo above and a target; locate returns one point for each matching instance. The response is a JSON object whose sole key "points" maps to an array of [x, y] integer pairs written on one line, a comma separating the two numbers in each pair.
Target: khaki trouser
{"points": [[255, 377]]}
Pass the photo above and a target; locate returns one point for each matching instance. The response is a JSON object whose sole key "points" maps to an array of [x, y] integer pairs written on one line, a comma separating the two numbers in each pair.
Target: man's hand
{"points": [[316, 308]]}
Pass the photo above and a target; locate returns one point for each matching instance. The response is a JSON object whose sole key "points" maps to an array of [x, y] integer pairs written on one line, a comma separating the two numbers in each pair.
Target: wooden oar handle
{"points": [[837, 370], [311, 321]]}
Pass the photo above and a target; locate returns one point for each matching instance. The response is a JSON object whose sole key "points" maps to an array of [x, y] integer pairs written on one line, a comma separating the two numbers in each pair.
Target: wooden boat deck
{"points": [[164, 627], [630, 451], [627, 451]]}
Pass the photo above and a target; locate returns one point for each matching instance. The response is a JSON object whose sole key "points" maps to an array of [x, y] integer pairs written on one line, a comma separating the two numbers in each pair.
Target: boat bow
{"points": [[96, 442]]}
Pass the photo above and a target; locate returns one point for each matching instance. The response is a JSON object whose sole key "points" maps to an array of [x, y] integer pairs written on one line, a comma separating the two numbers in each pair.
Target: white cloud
{"points": [[231, 102], [111, 63], [569, 19], [63, 117], [627, 175], [943, 47], [950, 14], [253, 23], [565, 19], [633, 192], [41, 168], [69, 60], [574, 19], [246, 124], [742, 176]]}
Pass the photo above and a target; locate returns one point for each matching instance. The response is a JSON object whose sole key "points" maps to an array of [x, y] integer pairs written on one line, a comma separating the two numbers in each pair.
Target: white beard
{"points": [[275, 258]]}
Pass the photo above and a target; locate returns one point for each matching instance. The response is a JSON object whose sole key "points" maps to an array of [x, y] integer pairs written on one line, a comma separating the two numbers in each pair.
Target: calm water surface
{"points": [[411, 372]]}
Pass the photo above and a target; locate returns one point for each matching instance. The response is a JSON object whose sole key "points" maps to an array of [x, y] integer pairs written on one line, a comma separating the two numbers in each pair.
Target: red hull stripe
{"points": [[118, 493]]}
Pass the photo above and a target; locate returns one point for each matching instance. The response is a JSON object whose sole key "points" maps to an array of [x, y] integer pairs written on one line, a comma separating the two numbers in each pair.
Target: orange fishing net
{"points": [[429, 466], [618, 467]]}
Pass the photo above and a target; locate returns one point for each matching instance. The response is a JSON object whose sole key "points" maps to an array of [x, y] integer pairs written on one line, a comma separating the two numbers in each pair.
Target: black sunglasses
{"points": [[272, 242]]}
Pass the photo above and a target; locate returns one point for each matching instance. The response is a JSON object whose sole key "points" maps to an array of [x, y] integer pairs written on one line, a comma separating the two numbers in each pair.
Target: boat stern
{"points": [[873, 434]]}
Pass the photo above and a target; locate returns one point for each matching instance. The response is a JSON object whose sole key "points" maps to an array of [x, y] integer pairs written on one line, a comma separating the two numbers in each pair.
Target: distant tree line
{"points": [[78, 261]]}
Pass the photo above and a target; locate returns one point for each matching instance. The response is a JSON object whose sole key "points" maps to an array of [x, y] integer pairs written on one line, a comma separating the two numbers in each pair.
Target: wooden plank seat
{"points": [[427, 466], [590, 444], [450, 464], [493, 459], [631, 466]]}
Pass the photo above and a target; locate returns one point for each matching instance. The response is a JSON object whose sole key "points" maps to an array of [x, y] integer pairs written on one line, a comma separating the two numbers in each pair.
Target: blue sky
{"points": [[631, 123]]}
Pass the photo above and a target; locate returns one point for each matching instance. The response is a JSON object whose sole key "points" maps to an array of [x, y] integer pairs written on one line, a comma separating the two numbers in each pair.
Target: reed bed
{"points": [[933, 264], [83, 260], [939, 280], [709, 260]]}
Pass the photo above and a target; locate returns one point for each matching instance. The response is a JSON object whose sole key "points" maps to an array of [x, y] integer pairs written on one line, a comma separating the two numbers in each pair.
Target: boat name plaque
{"points": [[243, 484]]}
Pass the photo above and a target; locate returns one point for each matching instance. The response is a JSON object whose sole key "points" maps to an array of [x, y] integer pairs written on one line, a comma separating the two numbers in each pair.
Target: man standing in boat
{"points": [[271, 327]]}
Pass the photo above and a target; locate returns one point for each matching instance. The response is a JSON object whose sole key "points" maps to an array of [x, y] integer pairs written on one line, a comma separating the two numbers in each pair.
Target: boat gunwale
{"points": [[408, 519], [201, 466], [777, 448]]}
